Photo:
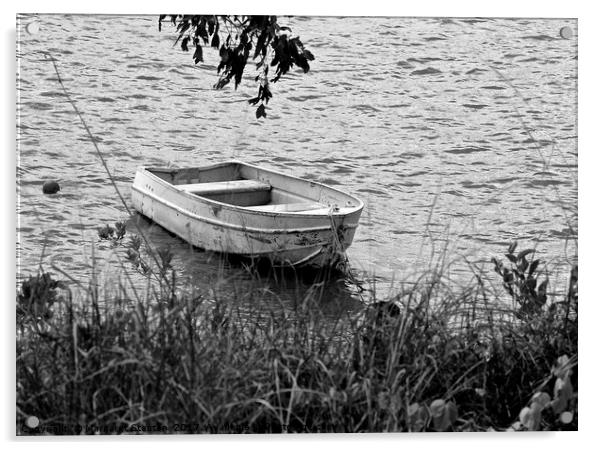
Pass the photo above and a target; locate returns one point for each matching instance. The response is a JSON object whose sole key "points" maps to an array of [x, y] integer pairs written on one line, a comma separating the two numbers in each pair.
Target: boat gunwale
{"points": [[243, 228], [148, 170]]}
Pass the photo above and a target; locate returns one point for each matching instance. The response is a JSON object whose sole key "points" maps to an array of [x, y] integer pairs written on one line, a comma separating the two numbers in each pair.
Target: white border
{"points": [[456, 8], [589, 190]]}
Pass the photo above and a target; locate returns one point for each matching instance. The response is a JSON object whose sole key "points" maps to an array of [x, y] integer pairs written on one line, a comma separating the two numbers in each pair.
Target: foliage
{"points": [[520, 281], [114, 234], [557, 412], [424, 360], [37, 297], [239, 38]]}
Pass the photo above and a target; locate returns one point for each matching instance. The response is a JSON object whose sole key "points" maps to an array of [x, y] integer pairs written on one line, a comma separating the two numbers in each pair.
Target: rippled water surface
{"points": [[459, 134]]}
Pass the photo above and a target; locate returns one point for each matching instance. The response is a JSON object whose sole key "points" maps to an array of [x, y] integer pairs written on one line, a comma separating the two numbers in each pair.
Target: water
{"points": [[459, 134]]}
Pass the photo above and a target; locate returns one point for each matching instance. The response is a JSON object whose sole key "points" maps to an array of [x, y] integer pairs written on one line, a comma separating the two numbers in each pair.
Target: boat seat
{"points": [[225, 187], [288, 207]]}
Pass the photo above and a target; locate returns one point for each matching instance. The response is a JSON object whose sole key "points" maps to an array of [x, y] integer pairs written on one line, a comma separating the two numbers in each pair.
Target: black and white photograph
{"points": [[267, 224]]}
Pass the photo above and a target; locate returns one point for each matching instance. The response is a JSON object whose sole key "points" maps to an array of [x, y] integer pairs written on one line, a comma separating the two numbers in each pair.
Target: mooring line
{"points": [[102, 159]]}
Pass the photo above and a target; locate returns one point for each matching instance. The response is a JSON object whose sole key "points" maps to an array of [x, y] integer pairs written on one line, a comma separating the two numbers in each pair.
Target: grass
{"points": [[426, 359]]}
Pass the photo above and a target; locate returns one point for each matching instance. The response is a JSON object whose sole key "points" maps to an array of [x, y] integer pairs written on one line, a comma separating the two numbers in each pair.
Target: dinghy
{"points": [[242, 209]]}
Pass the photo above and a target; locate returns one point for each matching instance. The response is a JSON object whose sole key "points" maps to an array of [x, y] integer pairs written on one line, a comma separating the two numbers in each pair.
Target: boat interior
{"points": [[238, 185]]}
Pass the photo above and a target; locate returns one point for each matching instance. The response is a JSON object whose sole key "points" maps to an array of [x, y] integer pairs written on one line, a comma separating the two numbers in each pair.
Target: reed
{"points": [[427, 359]]}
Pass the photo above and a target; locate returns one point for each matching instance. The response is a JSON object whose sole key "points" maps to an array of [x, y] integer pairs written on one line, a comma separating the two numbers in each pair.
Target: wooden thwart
{"points": [[288, 207], [225, 187]]}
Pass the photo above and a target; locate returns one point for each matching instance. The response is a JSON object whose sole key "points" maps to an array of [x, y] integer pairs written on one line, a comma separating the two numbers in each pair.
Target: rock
{"points": [[50, 187]]}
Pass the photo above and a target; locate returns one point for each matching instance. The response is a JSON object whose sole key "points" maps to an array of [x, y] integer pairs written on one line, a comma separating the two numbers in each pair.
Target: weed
{"points": [[37, 297], [521, 281], [114, 234], [420, 361]]}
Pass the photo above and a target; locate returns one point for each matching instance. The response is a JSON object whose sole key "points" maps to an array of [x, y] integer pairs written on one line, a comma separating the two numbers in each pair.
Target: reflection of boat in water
{"points": [[242, 209]]}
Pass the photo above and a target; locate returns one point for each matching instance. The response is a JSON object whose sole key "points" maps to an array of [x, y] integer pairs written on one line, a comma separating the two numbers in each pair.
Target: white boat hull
{"points": [[316, 237]]}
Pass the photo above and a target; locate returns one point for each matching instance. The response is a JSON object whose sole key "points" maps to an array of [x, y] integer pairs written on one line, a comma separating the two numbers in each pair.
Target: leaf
{"points": [[238, 68], [266, 95], [563, 391], [536, 408], [437, 407], [444, 414], [530, 283], [533, 266], [568, 387], [183, 27], [524, 415], [185, 43], [530, 418], [215, 40], [511, 257], [198, 54], [223, 53], [417, 417], [221, 83], [302, 62], [452, 411], [202, 31], [518, 275], [383, 400], [395, 403], [498, 265], [260, 45], [260, 112], [512, 247], [562, 368], [541, 290]]}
